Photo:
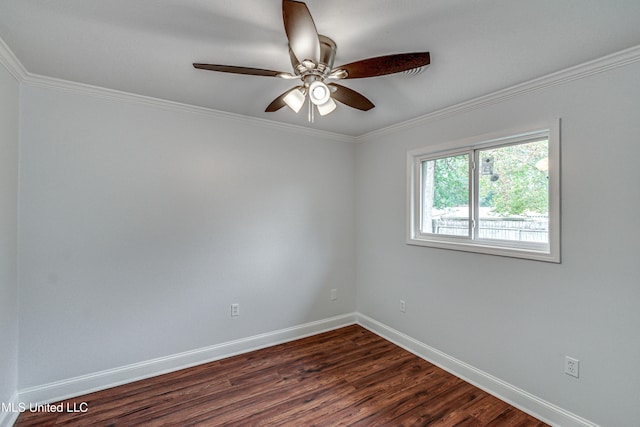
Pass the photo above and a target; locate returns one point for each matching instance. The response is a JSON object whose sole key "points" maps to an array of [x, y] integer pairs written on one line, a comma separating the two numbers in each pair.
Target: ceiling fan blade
{"points": [[301, 31], [382, 65], [243, 70], [278, 103], [350, 97]]}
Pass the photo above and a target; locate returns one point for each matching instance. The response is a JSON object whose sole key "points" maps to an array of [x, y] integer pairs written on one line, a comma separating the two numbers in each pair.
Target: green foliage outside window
{"points": [[516, 186], [451, 182]]}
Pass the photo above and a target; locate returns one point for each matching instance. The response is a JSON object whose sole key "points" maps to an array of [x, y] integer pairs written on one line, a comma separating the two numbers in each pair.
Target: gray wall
{"points": [[9, 127], [141, 225], [517, 319]]}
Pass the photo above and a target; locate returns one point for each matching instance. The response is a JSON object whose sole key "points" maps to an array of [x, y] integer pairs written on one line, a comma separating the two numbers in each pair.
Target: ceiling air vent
{"points": [[414, 71]]}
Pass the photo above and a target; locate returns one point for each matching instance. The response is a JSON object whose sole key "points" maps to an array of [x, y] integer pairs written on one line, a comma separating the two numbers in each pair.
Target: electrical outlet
{"points": [[571, 366], [235, 310], [403, 306], [334, 294]]}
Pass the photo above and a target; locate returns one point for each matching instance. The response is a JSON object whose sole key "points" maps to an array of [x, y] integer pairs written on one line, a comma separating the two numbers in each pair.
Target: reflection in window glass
{"points": [[446, 196]]}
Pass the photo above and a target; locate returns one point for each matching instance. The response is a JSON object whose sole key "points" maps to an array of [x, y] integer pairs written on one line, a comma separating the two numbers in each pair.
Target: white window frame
{"points": [[549, 252]]}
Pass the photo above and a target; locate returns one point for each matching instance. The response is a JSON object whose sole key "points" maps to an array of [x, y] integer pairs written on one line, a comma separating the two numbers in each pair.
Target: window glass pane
{"points": [[445, 196], [514, 193]]}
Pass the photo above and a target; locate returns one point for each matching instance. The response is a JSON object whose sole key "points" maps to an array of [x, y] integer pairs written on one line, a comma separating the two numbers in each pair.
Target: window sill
{"points": [[539, 253]]}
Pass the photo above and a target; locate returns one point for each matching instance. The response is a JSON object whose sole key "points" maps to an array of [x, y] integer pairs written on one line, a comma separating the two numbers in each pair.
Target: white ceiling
{"points": [[147, 47]]}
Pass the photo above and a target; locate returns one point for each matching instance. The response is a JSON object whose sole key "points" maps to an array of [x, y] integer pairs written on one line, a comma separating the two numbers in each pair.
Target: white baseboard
{"points": [[77, 386], [84, 384], [533, 405], [9, 414]]}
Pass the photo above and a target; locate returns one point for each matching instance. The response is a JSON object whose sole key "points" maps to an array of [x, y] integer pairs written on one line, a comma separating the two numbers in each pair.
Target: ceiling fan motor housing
{"points": [[327, 56]]}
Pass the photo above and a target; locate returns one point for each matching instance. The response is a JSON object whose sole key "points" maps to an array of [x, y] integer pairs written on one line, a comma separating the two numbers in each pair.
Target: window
{"points": [[493, 195]]}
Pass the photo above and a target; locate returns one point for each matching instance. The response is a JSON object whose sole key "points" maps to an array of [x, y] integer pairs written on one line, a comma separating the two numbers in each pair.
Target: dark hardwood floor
{"points": [[349, 376]]}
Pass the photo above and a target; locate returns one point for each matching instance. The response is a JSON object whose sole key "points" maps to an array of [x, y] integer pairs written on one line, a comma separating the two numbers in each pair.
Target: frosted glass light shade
{"points": [[294, 99], [319, 93], [327, 107]]}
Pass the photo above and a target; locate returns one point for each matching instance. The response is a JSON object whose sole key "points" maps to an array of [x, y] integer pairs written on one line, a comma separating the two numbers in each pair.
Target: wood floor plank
{"points": [[478, 412], [347, 376], [438, 407]]}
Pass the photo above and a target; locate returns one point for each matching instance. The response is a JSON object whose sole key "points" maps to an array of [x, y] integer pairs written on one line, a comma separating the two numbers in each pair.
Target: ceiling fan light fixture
{"points": [[294, 99], [319, 93], [327, 107]]}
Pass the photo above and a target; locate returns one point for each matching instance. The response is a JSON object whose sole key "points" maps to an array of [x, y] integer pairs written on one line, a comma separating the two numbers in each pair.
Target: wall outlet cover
{"points": [[235, 310], [572, 366]]}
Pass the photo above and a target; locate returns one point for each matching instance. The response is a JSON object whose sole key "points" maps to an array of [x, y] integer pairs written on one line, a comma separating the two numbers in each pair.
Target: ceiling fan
{"points": [[312, 58]]}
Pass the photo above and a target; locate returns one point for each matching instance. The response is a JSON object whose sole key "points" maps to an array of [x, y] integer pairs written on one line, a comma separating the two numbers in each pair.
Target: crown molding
{"points": [[586, 69], [11, 62], [600, 65], [45, 82], [20, 73]]}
